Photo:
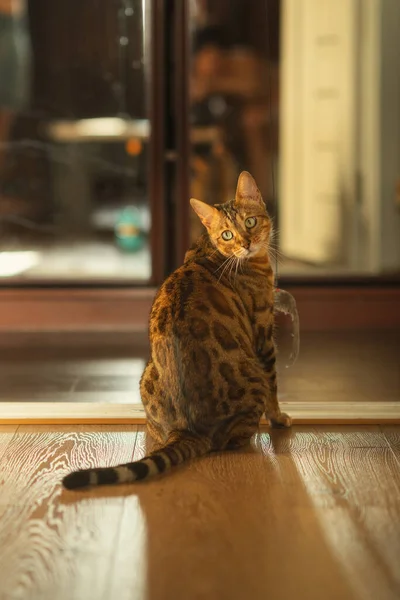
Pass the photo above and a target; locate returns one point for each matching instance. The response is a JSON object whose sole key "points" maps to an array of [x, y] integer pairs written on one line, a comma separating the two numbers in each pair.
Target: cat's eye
{"points": [[250, 222], [227, 235]]}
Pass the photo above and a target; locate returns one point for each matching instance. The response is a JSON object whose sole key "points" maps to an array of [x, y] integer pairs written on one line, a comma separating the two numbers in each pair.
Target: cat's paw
{"points": [[281, 421]]}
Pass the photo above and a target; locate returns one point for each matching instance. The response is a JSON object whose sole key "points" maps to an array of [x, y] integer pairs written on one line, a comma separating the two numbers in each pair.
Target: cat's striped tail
{"points": [[180, 447]]}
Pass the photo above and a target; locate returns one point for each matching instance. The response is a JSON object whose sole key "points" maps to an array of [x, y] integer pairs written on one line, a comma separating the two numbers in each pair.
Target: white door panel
{"points": [[318, 129]]}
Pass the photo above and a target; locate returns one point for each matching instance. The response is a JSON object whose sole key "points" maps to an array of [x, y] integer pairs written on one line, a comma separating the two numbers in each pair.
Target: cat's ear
{"points": [[206, 213], [247, 189]]}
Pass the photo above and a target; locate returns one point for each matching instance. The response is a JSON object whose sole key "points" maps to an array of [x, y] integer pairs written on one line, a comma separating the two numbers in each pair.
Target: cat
{"points": [[211, 373]]}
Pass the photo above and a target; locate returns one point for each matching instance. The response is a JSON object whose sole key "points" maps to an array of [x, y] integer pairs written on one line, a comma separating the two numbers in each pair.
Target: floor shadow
{"points": [[229, 526]]}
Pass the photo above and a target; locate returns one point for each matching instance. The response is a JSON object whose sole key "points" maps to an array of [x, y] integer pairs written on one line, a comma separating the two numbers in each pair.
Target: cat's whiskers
{"points": [[240, 255], [274, 231], [236, 259], [276, 258], [231, 267], [228, 262], [222, 264], [275, 253], [233, 263], [238, 262], [242, 261], [273, 246]]}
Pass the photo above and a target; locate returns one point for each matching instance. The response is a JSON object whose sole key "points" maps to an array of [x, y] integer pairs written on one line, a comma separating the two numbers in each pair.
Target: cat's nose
{"points": [[246, 244]]}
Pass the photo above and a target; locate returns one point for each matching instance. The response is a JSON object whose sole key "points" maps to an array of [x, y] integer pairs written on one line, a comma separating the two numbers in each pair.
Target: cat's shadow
{"points": [[226, 526]]}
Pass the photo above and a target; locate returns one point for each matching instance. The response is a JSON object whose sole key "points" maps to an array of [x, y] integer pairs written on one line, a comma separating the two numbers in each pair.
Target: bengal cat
{"points": [[211, 374]]}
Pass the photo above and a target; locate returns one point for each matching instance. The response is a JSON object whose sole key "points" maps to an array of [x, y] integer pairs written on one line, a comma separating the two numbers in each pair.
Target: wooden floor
{"points": [[332, 367], [313, 513]]}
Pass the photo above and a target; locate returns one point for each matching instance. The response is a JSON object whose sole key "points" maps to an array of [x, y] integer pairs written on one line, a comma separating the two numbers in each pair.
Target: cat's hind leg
{"points": [[237, 432]]}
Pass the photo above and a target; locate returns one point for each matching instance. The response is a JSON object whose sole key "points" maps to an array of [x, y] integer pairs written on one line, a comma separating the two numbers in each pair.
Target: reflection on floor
{"points": [[332, 367], [308, 514]]}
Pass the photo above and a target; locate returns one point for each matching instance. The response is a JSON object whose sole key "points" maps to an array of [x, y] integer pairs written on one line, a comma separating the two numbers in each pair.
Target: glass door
{"points": [[303, 94], [80, 142], [234, 97]]}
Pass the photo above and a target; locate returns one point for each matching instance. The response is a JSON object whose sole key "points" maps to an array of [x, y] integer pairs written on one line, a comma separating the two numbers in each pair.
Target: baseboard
{"points": [[311, 413], [321, 308], [77, 310], [347, 308]]}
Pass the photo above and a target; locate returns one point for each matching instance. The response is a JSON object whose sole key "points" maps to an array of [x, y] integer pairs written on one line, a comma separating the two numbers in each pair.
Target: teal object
{"points": [[128, 231]]}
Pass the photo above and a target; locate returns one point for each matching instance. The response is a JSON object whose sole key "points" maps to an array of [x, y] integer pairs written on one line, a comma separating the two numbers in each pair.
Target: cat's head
{"points": [[240, 227]]}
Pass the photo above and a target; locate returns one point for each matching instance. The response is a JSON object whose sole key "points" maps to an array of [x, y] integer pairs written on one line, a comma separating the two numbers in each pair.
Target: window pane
{"points": [[305, 95], [74, 132]]}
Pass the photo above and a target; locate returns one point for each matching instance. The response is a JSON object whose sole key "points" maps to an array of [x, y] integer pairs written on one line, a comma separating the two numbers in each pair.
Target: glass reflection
{"points": [[74, 135], [234, 96], [305, 95]]}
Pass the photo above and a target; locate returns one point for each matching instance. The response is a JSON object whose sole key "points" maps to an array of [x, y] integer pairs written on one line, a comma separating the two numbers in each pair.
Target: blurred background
{"points": [[112, 114]]}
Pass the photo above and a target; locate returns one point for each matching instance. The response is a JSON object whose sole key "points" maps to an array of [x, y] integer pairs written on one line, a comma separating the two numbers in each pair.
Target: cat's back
{"points": [[194, 300]]}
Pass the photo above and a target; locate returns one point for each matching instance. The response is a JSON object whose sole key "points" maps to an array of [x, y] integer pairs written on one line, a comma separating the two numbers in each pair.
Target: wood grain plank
{"points": [[301, 437], [51, 547], [129, 573], [218, 529], [298, 521], [309, 513], [392, 435], [6, 434], [354, 485]]}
